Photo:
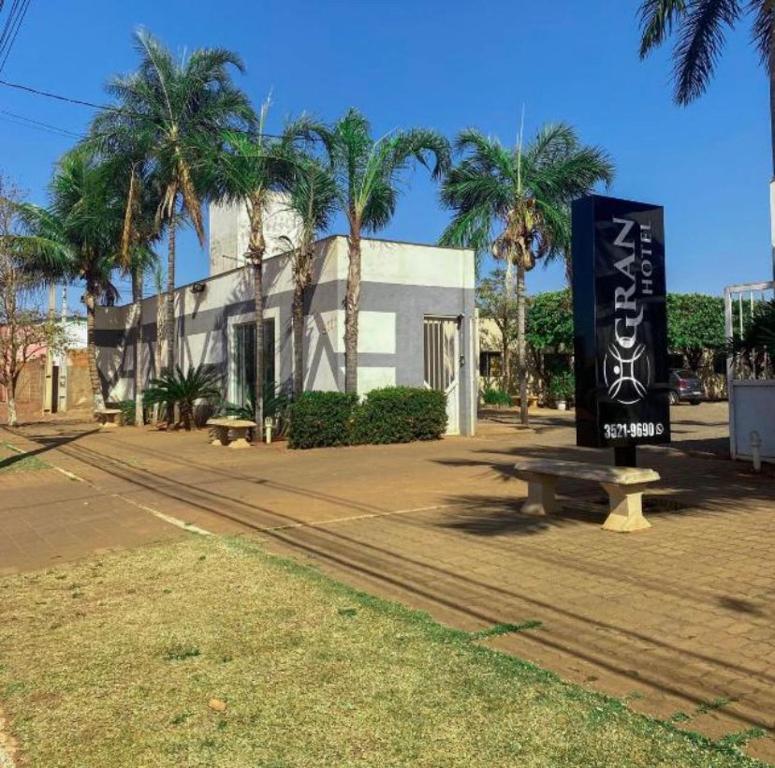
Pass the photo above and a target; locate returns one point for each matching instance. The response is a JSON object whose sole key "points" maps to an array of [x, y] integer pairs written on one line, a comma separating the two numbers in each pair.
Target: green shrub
{"points": [[493, 396], [400, 415], [127, 408], [322, 418], [562, 386], [389, 415]]}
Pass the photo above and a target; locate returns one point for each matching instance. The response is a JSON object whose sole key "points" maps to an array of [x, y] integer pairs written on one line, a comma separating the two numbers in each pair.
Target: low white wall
{"points": [[752, 407]]}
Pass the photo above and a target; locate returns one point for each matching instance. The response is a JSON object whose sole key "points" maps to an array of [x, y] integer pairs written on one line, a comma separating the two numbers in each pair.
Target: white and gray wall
{"points": [[402, 284]]}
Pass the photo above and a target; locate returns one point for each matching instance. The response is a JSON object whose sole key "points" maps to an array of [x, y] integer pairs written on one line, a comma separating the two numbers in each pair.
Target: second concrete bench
{"points": [[624, 485]]}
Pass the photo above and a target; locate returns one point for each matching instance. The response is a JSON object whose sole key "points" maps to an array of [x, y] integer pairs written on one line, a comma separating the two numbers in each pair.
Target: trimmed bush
{"points": [[400, 415], [492, 396], [389, 415], [319, 419]]}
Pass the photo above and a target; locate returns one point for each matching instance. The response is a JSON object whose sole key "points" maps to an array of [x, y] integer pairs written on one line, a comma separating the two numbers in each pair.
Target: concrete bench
{"points": [[624, 485], [108, 417], [238, 427]]}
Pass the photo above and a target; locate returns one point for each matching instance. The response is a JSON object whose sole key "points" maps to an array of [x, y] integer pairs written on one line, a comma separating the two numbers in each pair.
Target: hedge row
{"points": [[390, 415]]}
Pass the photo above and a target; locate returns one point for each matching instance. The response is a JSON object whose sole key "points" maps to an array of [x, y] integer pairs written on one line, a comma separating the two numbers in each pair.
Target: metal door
{"points": [[441, 337]]}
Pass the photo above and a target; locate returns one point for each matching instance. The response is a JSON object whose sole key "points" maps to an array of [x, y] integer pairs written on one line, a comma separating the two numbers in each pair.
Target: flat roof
{"points": [[288, 252]]}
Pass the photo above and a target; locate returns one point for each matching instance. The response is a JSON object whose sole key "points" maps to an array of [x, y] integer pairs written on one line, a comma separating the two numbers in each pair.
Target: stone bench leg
{"points": [[626, 508], [221, 436], [540, 495], [240, 439]]}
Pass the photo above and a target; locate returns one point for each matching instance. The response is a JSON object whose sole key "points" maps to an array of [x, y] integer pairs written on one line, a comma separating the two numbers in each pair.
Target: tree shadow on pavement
{"points": [[47, 443]]}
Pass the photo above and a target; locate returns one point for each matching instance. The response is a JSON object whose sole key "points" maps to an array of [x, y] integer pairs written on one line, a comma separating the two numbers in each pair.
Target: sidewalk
{"points": [[676, 619]]}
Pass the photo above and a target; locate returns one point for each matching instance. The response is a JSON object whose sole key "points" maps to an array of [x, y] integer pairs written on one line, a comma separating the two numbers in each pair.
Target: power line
{"points": [[94, 105], [12, 39], [58, 97], [8, 22], [22, 120]]}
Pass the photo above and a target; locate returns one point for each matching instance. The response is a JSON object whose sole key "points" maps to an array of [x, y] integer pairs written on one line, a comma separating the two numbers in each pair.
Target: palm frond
{"points": [[764, 21], [657, 18], [700, 40]]}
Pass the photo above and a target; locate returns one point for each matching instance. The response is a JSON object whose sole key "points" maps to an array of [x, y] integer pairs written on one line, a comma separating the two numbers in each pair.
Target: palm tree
{"points": [[175, 108], [140, 231], [249, 168], [701, 26], [313, 198], [78, 237], [367, 172], [516, 203]]}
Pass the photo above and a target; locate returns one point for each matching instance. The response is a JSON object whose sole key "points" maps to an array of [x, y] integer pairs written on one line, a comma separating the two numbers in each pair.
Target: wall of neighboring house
{"points": [[402, 284], [36, 386], [30, 391]]}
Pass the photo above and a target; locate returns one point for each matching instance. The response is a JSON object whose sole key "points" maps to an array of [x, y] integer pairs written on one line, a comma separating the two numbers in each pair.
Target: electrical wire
{"points": [[24, 7], [28, 121], [8, 23], [92, 104]]}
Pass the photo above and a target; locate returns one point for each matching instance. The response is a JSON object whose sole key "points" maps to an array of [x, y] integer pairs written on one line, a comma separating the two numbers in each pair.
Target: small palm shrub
{"points": [[276, 407], [183, 390], [493, 396], [127, 408]]}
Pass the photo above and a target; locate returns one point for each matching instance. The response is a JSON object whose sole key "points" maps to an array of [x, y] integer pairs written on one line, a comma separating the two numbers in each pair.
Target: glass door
{"points": [[245, 362]]}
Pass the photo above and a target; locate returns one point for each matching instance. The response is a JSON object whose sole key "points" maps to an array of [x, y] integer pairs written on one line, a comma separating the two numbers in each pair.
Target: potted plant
{"points": [[562, 387]]}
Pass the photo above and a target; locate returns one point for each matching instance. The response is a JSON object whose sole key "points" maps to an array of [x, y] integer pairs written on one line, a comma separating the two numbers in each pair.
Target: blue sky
{"points": [[445, 64]]}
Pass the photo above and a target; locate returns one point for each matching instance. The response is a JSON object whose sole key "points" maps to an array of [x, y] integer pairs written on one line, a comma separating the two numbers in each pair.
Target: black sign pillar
{"points": [[621, 363]]}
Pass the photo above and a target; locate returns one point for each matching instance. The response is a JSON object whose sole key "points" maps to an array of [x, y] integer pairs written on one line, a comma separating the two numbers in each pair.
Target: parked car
{"points": [[685, 386]]}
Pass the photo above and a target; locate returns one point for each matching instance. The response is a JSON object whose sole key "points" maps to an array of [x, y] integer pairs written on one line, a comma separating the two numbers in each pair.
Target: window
{"points": [[489, 364]]}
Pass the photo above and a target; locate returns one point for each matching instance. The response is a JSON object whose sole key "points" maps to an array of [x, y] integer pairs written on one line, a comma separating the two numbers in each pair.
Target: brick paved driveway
{"points": [[677, 619]]}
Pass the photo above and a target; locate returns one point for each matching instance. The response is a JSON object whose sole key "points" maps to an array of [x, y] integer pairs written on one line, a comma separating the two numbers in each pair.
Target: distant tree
{"points": [[515, 203], [495, 303], [695, 323], [549, 327], [755, 347], [550, 321], [27, 331]]}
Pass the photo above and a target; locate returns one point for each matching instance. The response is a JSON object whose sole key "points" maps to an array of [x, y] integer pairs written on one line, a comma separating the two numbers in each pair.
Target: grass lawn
{"points": [[116, 662], [24, 464]]}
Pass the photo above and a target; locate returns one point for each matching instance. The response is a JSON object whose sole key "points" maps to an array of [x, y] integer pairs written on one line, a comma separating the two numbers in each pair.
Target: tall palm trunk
{"points": [[256, 249], [771, 61], [509, 292], [161, 333], [258, 292], [137, 316], [352, 299], [521, 344], [171, 330], [91, 348], [297, 320]]}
